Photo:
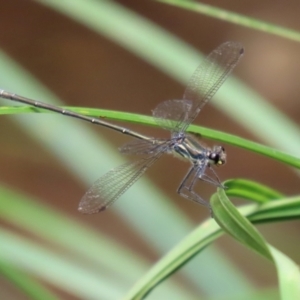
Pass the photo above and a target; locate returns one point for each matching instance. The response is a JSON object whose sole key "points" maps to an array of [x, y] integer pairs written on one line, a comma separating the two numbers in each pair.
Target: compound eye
{"points": [[215, 158], [218, 156]]}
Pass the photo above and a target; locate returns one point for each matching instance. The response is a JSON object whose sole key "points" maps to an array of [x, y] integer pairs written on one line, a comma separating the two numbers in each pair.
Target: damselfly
{"points": [[173, 115]]}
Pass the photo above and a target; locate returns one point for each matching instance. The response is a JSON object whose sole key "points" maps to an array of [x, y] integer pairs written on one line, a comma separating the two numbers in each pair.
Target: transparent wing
{"points": [[209, 76], [108, 188], [138, 146], [171, 114], [177, 115]]}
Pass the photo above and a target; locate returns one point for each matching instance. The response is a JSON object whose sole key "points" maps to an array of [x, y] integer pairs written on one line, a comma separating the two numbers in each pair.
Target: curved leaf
{"points": [[232, 222], [209, 231], [250, 190], [235, 224]]}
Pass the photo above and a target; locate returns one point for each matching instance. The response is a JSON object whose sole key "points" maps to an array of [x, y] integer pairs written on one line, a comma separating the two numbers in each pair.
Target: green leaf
{"points": [[191, 245], [284, 208], [29, 286], [62, 270], [235, 224], [288, 274], [235, 18], [72, 237], [280, 210], [231, 221], [209, 231], [147, 120], [250, 190]]}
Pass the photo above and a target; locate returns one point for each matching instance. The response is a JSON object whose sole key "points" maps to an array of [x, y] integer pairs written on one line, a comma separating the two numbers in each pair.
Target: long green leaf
{"points": [[251, 190], [27, 285], [60, 270], [209, 231], [232, 222], [235, 18], [146, 120], [92, 249]]}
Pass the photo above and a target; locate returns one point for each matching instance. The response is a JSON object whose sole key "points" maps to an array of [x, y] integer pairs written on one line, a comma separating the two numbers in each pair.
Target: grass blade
{"points": [[232, 222], [209, 231], [147, 120], [250, 190], [235, 18], [27, 285]]}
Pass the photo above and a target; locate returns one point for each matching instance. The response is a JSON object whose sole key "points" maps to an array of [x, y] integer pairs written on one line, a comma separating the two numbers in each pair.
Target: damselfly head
{"points": [[217, 156]]}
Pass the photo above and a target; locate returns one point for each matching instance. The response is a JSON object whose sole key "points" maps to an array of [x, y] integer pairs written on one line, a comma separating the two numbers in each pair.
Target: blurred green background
{"points": [[54, 159]]}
